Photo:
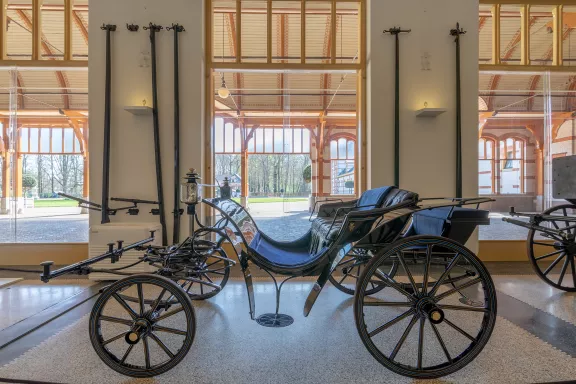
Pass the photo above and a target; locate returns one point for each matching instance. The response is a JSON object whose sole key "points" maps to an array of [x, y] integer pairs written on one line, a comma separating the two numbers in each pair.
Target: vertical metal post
{"points": [[456, 33], [107, 100], [395, 31], [177, 212], [238, 31], [558, 30], [158, 159]]}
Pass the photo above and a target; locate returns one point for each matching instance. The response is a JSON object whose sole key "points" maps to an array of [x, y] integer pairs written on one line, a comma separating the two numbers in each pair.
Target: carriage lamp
{"points": [[225, 190], [189, 190]]}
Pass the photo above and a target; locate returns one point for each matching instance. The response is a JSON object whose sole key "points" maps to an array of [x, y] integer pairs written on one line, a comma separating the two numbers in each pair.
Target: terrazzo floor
{"points": [[322, 348]]}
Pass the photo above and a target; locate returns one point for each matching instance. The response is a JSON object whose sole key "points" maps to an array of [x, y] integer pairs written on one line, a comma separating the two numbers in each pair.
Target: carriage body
{"points": [[410, 258]]}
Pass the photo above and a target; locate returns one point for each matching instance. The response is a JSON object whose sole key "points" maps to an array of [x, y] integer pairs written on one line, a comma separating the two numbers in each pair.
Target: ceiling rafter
{"points": [[327, 52], [81, 24], [61, 78], [482, 23], [232, 38], [510, 49], [283, 43]]}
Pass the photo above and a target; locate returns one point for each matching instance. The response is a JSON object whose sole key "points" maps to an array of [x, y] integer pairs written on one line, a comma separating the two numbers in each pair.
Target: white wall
{"points": [[427, 145], [132, 172]]}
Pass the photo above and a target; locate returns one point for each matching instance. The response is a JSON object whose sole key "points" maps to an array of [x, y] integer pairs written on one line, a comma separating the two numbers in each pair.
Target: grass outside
{"points": [[256, 200], [45, 203]]}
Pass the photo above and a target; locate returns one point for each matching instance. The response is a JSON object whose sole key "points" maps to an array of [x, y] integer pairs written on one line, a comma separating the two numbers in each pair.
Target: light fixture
{"points": [[223, 91]]}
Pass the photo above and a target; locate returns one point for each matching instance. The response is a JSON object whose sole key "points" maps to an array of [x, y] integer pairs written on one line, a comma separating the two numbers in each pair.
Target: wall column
{"points": [[244, 166], [539, 179]]}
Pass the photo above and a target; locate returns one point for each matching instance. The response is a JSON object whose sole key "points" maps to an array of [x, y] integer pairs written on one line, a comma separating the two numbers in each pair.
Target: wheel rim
{"points": [[554, 259], [421, 326], [351, 267], [145, 336]]}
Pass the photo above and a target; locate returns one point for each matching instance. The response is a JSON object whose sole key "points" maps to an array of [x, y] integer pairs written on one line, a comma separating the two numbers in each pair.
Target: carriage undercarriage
{"points": [[424, 305]]}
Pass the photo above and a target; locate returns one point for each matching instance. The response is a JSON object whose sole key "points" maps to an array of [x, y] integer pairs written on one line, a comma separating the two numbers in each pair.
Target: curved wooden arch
{"points": [[343, 135]]}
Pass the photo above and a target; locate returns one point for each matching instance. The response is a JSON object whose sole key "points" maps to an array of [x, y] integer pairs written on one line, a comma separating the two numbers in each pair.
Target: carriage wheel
{"points": [[146, 336], [421, 326], [209, 269], [351, 267], [555, 262]]}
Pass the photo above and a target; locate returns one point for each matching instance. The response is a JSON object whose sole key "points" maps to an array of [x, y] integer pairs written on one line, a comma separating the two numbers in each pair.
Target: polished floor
{"points": [[534, 341]]}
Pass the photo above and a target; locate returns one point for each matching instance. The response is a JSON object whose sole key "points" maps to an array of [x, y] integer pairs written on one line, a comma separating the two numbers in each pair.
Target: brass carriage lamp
{"points": [[190, 192]]}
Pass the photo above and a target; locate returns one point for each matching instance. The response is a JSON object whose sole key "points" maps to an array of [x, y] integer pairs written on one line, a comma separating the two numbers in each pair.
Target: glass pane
{"points": [[69, 140], [333, 149], [260, 140], [541, 37], [34, 140], [268, 140], [350, 150], [298, 140], [45, 140], [254, 22], [509, 30], [288, 148], [224, 31], [485, 35], [57, 140], [286, 16], [278, 141], [489, 149], [237, 140], [485, 177], [228, 137], [341, 148], [481, 153], [318, 19], [251, 147], [305, 141], [24, 139], [219, 135]]}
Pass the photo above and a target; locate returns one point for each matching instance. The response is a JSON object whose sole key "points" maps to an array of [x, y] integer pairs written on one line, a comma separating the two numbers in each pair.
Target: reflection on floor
{"points": [[325, 347]]}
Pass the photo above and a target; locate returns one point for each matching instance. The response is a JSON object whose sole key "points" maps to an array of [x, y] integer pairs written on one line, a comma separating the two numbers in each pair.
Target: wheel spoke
{"points": [[170, 313], [124, 304], [141, 298], [162, 345], [343, 278], [457, 289], [553, 264], [158, 300], [388, 281], [407, 270], [460, 330], [121, 335], [201, 285], [116, 320], [544, 244], [441, 341], [573, 262], [386, 304], [208, 278], [351, 260], [146, 352], [169, 330], [127, 353], [421, 342], [462, 308], [427, 268], [563, 271], [391, 322], [446, 272], [548, 255], [403, 337]]}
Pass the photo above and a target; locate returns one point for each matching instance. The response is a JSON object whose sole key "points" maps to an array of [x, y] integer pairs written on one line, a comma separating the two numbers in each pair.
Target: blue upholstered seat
{"points": [[282, 255], [373, 198]]}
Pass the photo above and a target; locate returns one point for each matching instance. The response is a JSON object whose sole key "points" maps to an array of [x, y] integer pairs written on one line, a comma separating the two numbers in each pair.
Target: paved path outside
{"points": [[53, 229]]}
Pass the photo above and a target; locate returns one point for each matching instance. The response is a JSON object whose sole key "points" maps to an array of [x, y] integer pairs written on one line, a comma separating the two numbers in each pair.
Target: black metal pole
{"points": [[396, 31], [177, 211], [456, 33], [158, 159], [106, 153]]}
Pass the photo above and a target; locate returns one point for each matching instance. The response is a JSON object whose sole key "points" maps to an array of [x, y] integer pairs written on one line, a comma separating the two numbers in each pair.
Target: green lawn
{"points": [[256, 200], [44, 203]]}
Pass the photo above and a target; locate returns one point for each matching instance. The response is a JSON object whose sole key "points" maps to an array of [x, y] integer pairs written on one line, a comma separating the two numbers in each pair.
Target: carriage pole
{"points": [[456, 33], [106, 155], [397, 31], [177, 211], [160, 190]]}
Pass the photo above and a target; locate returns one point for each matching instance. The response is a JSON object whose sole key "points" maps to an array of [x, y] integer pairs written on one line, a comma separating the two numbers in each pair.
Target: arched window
{"points": [[342, 166], [486, 171], [512, 163]]}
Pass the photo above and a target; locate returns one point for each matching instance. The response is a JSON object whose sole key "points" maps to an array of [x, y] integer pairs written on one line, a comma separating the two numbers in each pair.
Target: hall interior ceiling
{"points": [[46, 89]]}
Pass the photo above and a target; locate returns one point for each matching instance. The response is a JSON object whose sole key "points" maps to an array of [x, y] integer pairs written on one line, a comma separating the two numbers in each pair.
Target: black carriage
{"points": [[424, 305], [551, 241]]}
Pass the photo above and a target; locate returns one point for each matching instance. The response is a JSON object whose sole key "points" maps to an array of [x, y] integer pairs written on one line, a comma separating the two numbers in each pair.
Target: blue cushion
{"points": [[286, 257], [373, 198]]}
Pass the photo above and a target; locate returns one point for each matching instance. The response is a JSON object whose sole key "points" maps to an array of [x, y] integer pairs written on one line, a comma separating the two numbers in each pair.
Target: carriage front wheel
{"points": [[142, 325], [553, 258], [437, 312]]}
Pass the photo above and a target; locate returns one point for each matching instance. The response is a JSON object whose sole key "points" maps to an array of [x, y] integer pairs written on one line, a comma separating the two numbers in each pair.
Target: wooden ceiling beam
{"points": [[68, 10], [81, 26]]}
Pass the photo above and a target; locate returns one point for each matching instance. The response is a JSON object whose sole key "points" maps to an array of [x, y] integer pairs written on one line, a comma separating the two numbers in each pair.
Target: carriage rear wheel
{"points": [[554, 260], [351, 267], [437, 312], [146, 335]]}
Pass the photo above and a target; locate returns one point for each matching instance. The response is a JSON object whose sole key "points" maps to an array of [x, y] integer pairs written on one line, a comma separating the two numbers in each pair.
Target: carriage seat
{"points": [[458, 224], [330, 216]]}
